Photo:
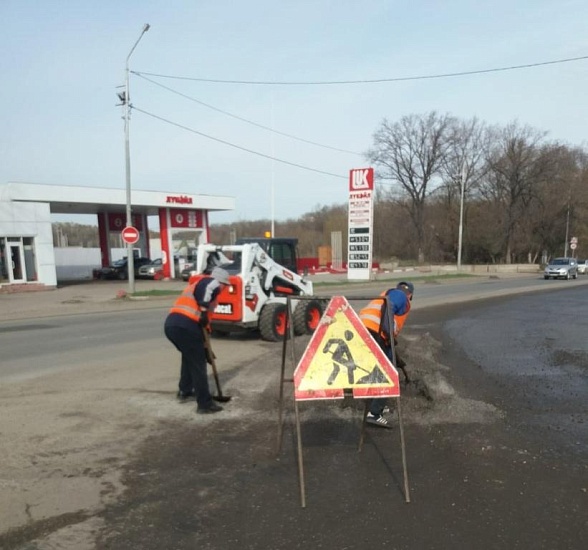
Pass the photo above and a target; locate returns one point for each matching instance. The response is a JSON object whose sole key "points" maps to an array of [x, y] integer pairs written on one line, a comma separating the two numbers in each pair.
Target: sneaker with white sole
{"points": [[377, 420]]}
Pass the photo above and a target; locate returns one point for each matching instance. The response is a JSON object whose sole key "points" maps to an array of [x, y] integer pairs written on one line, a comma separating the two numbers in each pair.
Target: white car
{"points": [[561, 268], [152, 270], [582, 267]]}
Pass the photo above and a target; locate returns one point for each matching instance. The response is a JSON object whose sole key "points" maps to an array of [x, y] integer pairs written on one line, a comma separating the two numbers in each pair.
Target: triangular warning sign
{"points": [[342, 355]]}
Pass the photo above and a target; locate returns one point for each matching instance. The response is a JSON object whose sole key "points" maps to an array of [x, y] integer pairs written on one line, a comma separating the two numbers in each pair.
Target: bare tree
{"points": [[408, 154], [463, 165], [516, 166], [560, 199]]}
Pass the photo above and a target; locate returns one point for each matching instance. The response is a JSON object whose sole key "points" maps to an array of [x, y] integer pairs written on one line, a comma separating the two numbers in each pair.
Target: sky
{"points": [[62, 61]]}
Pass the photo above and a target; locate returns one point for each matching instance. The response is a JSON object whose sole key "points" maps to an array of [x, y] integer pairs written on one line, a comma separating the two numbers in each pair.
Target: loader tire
{"points": [[272, 322], [307, 316]]}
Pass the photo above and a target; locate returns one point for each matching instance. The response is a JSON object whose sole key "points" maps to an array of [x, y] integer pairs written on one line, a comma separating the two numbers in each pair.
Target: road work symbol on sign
{"points": [[341, 355]]}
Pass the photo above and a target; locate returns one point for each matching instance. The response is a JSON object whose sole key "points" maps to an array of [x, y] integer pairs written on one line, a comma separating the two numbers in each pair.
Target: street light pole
{"points": [[130, 254], [567, 231], [462, 185], [273, 193]]}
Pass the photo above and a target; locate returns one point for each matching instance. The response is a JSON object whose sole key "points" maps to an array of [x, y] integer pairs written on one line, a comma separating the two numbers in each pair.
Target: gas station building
{"points": [[26, 237]]}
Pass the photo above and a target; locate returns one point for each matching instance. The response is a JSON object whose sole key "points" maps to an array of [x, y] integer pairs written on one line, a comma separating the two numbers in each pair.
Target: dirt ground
{"points": [[91, 461]]}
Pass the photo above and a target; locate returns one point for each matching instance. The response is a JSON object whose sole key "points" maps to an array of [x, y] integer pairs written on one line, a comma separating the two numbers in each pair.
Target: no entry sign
{"points": [[130, 234]]}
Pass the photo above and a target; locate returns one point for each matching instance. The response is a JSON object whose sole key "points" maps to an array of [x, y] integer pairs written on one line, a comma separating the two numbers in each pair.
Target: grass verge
{"points": [[155, 293]]}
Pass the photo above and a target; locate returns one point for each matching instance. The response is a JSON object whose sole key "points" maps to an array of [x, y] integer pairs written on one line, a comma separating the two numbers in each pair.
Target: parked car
{"points": [[561, 268], [582, 267], [119, 270], [185, 273], [153, 270]]}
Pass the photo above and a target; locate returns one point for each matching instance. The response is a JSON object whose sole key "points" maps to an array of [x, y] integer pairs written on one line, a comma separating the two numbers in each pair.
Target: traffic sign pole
{"points": [[573, 244], [130, 235]]}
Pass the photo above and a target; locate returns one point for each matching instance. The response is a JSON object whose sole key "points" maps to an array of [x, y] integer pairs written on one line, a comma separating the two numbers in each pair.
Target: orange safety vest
{"points": [[371, 317], [186, 304], [400, 320]]}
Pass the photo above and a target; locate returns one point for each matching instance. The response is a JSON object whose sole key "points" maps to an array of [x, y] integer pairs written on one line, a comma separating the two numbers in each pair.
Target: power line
{"points": [[246, 120], [367, 81], [238, 146]]}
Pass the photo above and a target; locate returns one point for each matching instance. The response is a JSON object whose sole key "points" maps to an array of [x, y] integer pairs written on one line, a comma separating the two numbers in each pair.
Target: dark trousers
{"points": [[190, 343], [377, 405]]}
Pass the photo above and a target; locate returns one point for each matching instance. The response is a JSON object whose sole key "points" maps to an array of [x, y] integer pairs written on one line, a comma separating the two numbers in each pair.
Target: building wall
{"points": [[31, 220], [75, 263]]}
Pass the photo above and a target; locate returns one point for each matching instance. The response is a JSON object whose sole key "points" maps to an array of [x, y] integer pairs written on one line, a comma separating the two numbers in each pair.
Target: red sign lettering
{"points": [[361, 179], [182, 199]]}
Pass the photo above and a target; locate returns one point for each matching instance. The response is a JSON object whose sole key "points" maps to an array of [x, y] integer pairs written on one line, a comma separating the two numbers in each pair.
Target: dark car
{"points": [[188, 268], [119, 270]]}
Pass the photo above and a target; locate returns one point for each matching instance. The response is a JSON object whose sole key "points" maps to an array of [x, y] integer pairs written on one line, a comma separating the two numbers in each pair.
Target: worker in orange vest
{"points": [[184, 326], [375, 318]]}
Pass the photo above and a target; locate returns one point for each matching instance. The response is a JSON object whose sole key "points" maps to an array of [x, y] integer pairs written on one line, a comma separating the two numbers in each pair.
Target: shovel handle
{"points": [[208, 347]]}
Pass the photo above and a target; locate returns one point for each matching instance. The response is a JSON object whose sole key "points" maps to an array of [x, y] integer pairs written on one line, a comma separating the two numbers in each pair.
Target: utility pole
{"points": [[462, 190], [129, 222], [567, 231], [273, 193]]}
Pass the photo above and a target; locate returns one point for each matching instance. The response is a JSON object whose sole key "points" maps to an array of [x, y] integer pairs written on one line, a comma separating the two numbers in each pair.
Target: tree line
{"points": [[520, 196], [524, 196]]}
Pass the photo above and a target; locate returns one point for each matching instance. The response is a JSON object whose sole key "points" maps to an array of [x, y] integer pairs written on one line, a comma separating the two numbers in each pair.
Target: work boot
{"points": [[212, 408], [184, 397]]}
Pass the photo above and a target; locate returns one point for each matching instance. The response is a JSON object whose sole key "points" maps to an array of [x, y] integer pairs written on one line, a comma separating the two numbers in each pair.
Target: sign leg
{"points": [[290, 332], [362, 433], [281, 399], [280, 414], [300, 463], [403, 449]]}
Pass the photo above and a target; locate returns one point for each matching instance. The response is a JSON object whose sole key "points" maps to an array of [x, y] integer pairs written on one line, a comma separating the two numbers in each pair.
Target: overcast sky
{"points": [[61, 62]]}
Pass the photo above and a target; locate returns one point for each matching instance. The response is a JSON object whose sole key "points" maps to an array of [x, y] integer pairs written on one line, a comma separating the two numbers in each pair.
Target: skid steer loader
{"points": [[256, 299]]}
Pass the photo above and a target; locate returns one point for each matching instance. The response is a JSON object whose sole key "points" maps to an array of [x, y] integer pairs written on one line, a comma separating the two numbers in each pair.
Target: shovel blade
{"points": [[222, 398]]}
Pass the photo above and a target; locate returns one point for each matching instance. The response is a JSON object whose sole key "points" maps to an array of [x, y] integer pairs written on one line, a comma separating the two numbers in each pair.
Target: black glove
{"points": [[204, 321]]}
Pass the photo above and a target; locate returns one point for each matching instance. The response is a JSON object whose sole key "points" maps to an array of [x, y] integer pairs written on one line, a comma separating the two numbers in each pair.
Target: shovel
{"points": [[211, 358]]}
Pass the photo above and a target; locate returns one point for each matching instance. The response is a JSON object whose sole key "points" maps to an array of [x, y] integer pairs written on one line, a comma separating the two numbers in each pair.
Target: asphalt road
{"points": [[492, 464], [495, 427], [537, 354], [41, 345]]}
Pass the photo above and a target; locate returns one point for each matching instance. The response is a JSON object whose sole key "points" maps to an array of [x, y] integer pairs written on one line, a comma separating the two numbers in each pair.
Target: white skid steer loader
{"points": [[256, 298]]}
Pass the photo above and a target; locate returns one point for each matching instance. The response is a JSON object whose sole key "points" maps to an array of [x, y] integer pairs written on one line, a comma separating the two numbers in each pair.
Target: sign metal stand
{"points": [[383, 385]]}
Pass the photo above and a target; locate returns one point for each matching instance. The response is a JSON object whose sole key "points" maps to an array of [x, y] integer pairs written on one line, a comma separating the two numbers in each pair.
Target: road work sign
{"points": [[342, 355]]}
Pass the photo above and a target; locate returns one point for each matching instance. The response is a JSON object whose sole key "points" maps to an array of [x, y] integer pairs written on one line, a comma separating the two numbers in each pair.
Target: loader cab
{"points": [[283, 250]]}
